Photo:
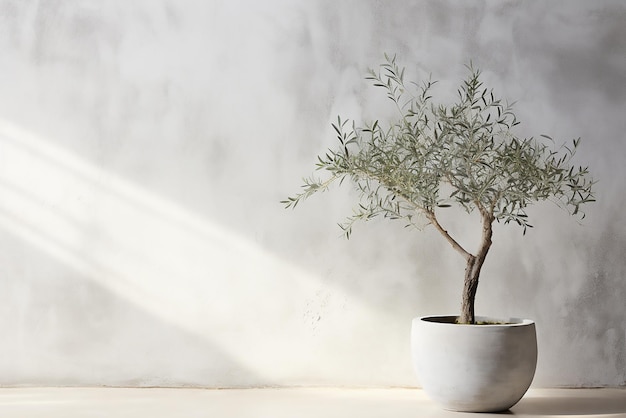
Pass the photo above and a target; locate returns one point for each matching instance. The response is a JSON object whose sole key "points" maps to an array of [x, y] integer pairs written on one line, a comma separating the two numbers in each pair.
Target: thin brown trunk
{"points": [[470, 285], [472, 273], [474, 262]]}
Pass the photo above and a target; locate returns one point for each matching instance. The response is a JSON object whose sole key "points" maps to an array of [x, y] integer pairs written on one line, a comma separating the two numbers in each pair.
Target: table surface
{"points": [[287, 402]]}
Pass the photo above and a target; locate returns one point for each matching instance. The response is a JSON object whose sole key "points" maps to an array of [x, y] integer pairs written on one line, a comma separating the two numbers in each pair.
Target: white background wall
{"points": [[145, 145]]}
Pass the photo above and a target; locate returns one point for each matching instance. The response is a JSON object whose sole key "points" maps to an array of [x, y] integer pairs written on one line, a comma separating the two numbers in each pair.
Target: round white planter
{"points": [[474, 368]]}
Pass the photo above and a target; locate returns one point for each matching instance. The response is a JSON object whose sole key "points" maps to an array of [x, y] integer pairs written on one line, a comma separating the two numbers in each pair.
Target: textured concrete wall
{"points": [[144, 147]]}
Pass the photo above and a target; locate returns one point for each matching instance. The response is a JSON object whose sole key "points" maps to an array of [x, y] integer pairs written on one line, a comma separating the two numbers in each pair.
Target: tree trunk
{"points": [[472, 273], [470, 285]]}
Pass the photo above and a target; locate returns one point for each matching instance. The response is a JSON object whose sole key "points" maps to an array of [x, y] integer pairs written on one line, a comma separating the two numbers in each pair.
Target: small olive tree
{"points": [[435, 156]]}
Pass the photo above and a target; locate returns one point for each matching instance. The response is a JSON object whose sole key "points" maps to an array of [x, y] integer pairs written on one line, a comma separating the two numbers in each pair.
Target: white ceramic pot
{"points": [[474, 368]]}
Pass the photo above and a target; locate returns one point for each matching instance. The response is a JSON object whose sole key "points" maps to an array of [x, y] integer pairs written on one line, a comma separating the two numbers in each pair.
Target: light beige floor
{"points": [[283, 403]]}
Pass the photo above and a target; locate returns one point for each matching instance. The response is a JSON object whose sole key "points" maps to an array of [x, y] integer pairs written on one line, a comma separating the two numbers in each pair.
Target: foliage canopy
{"points": [[435, 155]]}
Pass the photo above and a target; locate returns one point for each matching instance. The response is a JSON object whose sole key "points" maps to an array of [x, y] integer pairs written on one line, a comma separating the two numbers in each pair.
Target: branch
{"points": [[433, 219], [310, 186]]}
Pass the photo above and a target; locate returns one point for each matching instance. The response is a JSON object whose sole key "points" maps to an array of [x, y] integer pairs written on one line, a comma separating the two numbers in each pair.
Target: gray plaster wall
{"points": [[145, 145]]}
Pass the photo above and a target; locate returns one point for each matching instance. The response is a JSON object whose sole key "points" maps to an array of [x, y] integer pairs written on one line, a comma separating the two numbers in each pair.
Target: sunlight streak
{"points": [[163, 258]]}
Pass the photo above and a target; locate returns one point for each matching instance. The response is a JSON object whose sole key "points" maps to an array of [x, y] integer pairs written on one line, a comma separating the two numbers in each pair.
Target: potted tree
{"points": [[464, 154]]}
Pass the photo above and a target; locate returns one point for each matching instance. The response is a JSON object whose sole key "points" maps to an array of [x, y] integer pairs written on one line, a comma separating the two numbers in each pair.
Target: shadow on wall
{"points": [[132, 323], [164, 281], [63, 330], [604, 287]]}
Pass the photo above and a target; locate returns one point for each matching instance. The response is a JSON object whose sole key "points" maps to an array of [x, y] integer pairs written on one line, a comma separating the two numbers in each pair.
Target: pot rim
{"points": [[449, 320]]}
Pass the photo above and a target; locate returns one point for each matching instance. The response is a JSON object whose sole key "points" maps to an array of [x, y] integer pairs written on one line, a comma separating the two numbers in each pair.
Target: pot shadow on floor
{"points": [[607, 402]]}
